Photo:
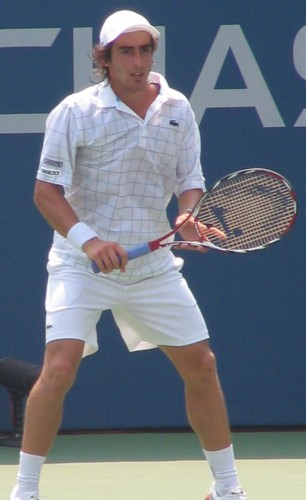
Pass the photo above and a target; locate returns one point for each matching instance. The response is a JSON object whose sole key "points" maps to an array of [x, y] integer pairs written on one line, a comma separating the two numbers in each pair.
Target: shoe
{"points": [[232, 494], [16, 496], [32, 497]]}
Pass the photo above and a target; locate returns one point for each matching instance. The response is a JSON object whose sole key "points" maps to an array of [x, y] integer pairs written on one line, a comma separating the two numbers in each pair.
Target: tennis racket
{"points": [[253, 208]]}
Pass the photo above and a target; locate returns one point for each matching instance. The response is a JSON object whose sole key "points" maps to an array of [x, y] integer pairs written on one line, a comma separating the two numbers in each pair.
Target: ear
{"points": [[105, 61]]}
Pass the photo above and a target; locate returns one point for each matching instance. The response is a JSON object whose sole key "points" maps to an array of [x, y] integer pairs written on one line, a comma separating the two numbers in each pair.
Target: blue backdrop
{"points": [[243, 66]]}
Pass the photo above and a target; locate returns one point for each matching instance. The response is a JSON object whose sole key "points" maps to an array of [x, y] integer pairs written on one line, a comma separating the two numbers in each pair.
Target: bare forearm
{"points": [[54, 207], [189, 199]]}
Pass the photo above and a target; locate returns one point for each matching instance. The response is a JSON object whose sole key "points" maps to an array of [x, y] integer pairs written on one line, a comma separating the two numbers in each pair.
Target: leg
{"points": [[45, 403], [207, 415], [44, 413], [204, 399]]}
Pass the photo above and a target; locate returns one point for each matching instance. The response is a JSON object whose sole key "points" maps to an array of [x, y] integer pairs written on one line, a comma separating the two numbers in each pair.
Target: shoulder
{"points": [[166, 90], [77, 102]]}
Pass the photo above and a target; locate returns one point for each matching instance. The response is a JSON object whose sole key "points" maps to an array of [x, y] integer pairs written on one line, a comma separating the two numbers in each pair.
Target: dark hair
{"points": [[102, 55]]}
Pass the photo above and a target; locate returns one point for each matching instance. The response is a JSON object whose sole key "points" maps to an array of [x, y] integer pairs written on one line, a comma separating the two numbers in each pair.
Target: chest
{"points": [[111, 137]]}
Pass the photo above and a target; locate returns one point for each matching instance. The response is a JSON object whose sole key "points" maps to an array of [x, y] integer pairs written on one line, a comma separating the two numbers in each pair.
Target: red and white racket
{"points": [[253, 208]]}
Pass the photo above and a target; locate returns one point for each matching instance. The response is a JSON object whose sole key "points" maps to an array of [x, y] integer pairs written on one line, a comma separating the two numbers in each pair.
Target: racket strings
{"points": [[251, 209]]}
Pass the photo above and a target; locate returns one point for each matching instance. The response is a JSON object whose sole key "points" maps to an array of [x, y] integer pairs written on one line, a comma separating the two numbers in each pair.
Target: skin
{"points": [[129, 67]]}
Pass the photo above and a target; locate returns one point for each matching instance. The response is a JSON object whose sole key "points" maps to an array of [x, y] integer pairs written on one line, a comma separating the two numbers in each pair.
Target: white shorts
{"points": [[157, 311]]}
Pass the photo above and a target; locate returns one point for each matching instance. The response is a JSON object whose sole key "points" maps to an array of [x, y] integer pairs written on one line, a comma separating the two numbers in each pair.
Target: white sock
{"points": [[28, 476], [222, 464]]}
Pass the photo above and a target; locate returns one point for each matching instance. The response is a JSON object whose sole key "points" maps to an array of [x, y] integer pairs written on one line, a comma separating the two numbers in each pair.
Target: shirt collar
{"points": [[160, 80], [106, 96]]}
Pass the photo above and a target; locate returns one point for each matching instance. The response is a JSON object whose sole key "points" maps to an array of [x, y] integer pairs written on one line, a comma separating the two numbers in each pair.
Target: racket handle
{"points": [[138, 251], [132, 253], [94, 267]]}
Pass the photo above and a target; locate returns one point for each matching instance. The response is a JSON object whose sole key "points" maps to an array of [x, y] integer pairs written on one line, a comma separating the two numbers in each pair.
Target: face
{"points": [[131, 61]]}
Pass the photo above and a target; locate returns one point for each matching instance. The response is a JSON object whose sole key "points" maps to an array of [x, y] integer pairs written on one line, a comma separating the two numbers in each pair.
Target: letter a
{"points": [[255, 95]]}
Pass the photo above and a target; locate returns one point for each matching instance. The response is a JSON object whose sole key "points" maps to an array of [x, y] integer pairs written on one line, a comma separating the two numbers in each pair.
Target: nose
{"points": [[137, 58]]}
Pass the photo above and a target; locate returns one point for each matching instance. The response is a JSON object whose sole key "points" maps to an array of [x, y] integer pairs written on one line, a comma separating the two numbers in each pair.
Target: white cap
{"points": [[125, 21]]}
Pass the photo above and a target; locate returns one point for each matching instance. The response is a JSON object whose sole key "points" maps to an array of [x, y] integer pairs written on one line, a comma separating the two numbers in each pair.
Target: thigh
{"points": [[75, 300], [162, 311], [73, 323], [63, 353]]}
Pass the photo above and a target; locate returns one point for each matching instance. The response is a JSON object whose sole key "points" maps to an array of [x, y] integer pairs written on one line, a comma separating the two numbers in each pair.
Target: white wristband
{"points": [[79, 234]]}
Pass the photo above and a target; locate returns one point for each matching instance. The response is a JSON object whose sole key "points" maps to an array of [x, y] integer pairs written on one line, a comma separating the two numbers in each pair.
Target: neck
{"points": [[139, 101]]}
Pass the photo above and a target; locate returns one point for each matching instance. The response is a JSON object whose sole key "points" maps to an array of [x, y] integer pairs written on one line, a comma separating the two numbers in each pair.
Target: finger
{"points": [[192, 248], [206, 231], [105, 263], [216, 232], [115, 260], [183, 217], [98, 266], [122, 258]]}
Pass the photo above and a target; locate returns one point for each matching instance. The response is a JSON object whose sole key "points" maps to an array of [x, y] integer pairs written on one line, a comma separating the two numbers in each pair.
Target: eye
{"points": [[126, 50], [146, 49]]}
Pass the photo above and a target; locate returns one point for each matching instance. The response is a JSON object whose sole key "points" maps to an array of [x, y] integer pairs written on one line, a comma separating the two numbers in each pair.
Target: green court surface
{"points": [[163, 466]]}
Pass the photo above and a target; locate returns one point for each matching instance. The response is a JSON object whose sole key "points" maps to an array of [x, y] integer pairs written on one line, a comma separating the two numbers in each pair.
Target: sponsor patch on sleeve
{"points": [[53, 163], [49, 172]]}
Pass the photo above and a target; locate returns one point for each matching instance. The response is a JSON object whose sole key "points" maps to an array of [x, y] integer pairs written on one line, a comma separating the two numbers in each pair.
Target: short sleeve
{"points": [[57, 160]]}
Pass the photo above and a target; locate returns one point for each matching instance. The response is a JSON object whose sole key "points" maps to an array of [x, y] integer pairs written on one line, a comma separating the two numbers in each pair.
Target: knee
{"points": [[206, 363], [203, 367], [59, 375]]}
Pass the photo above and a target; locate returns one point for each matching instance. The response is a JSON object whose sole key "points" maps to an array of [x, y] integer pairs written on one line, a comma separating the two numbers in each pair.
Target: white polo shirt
{"points": [[120, 171]]}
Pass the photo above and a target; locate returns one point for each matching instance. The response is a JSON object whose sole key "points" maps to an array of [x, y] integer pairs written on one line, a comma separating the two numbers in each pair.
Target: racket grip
{"points": [[94, 267], [132, 253], [138, 251]]}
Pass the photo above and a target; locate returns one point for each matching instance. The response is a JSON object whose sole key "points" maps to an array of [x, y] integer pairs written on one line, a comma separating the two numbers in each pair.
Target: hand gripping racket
{"points": [[253, 208]]}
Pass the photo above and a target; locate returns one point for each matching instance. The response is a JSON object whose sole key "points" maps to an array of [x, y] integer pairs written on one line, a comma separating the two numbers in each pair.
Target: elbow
{"points": [[39, 194], [36, 196]]}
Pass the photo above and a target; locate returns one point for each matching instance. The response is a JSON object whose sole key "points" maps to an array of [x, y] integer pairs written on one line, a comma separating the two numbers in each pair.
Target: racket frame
{"points": [[151, 246]]}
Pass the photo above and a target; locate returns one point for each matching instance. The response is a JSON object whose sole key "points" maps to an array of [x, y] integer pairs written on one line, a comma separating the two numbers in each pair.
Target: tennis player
{"points": [[113, 157]]}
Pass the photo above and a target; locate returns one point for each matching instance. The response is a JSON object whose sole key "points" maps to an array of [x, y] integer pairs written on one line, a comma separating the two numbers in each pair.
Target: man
{"points": [[113, 156]]}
